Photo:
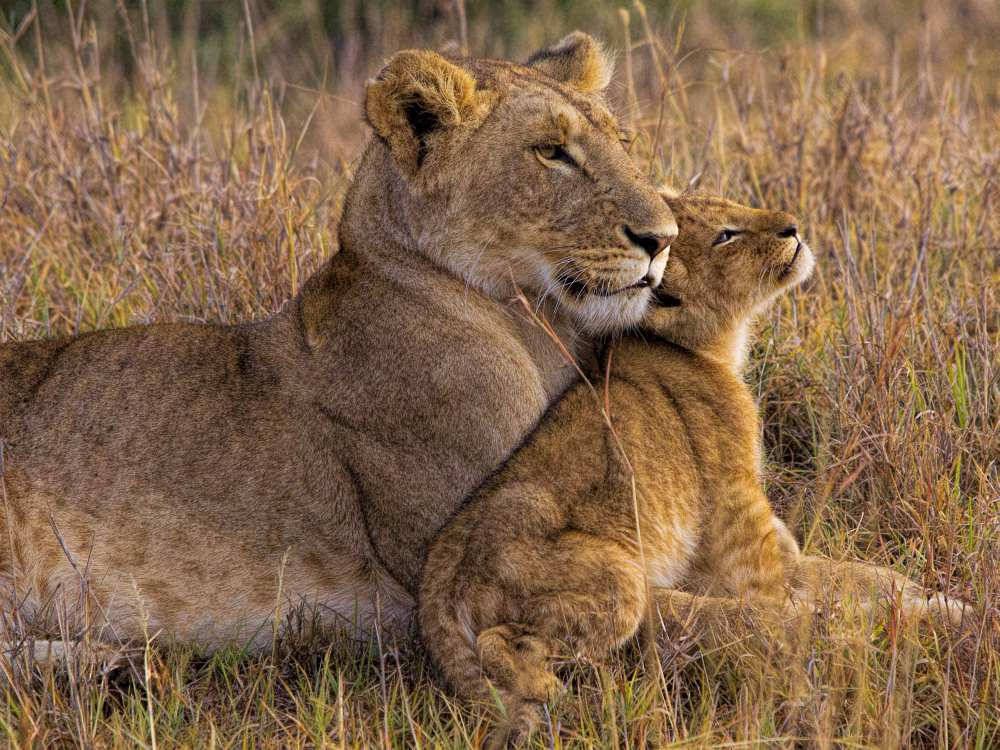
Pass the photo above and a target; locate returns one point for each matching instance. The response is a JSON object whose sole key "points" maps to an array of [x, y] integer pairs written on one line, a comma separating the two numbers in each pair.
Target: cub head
{"points": [[727, 263], [515, 177]]}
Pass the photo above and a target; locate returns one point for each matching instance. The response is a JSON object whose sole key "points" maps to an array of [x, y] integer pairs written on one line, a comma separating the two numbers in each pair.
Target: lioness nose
{"points": [[789, 231], [652, 243]]}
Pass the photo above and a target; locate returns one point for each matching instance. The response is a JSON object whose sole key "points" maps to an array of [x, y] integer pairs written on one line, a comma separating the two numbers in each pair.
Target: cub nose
{"points": [[789, 231], [652, 242]]}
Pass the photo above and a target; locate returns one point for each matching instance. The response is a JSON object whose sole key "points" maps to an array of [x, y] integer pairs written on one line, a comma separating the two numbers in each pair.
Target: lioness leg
{"points": [[815, 578], [63, 655], [50, 652], [42, 653]]}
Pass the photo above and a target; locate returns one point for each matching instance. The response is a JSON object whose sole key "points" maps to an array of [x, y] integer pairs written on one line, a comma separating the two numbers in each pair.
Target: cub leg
{"points": [[732, 561], [518, 661], [723, 620], [565, 592], [744, 552], [517, 658], [598, 605], [814, 577]]}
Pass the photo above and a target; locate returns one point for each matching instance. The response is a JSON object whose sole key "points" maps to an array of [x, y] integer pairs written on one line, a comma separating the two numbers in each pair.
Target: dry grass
{"points": [[161, 195]]}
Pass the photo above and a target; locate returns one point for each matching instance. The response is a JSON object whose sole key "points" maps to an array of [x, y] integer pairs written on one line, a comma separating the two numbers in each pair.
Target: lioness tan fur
{"points": [[199, 477], [554, 557]]}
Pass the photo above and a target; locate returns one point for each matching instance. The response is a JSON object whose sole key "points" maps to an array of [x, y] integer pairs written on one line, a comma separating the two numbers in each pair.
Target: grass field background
{"points": [[187, 161]]}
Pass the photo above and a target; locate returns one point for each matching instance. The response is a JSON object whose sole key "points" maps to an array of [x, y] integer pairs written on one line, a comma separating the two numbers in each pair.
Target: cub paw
{"points": [[522, 721], [937, 609], [535, 679], [517, 662], [525, 721]]}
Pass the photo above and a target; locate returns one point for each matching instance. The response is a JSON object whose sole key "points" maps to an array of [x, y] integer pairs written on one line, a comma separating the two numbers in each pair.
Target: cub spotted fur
{"points": [[548, 560], [201, 476]]}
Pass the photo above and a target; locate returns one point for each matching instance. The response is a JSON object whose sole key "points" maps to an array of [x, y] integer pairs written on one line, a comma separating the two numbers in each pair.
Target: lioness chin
{"points": [[201, 476]]}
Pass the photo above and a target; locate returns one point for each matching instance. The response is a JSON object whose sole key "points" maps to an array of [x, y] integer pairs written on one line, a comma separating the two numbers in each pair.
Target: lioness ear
{"points": [[578, 60], [416, 94]]}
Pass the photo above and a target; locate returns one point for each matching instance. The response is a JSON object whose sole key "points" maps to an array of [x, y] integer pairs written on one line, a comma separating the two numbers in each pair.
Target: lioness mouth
{"points": [[579, 288], [663, 299]]}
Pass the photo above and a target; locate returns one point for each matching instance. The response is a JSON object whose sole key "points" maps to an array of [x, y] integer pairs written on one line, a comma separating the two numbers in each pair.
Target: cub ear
{"points": [[668, 192], [578, 60], [674, 197], [418, 93]]}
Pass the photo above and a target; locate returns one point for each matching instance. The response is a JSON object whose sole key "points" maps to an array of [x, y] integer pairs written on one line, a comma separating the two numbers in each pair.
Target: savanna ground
{"points": [[181, 161]]}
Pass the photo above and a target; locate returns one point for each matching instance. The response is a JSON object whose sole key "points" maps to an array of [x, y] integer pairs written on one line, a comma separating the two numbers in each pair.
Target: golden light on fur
{"points": [[136, 188], [763, 255]]}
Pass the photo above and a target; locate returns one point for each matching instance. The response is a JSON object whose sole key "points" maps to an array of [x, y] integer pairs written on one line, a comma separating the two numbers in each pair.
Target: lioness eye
{"points": [[725, 235], [553, 152]]}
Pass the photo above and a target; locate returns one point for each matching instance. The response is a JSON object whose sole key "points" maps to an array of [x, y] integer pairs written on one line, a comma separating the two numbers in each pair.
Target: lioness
{"points": [[556, 556], [200, 475]]}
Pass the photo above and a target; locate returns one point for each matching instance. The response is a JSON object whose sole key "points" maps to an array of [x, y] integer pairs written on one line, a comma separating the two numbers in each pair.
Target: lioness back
{"points": [[173, 483], [200, 476], [240, 446]]}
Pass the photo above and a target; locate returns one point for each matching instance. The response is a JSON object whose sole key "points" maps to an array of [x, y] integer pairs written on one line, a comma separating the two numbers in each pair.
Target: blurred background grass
{"points": [[187, 160], [304, 46]]}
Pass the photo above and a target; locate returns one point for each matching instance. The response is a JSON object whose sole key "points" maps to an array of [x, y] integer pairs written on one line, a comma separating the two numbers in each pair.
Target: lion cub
{"points": [[544, 562]]}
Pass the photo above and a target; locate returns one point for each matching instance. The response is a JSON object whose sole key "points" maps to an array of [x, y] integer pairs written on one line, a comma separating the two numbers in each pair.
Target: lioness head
{"points": [[727, 263], [515, 177]]}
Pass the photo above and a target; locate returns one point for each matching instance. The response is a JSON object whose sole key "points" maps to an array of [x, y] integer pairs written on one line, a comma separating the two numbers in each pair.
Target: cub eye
{"points": [[554, 152], [725, 235]]}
